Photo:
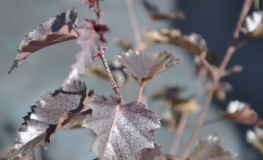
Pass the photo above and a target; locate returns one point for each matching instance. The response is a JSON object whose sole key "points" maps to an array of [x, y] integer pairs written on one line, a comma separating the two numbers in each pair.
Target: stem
{"points": [[37, 152], [208, 67], [134, 24], [231, 49], [112, 81], [178, 133], [212, 121], [140, 94]]}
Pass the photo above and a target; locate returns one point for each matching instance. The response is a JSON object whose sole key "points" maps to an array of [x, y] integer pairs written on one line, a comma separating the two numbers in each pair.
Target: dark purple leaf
{"points": [[123, 130], [48, 115], [143, 66], [90, 40], [210, 149], [55, 30]]}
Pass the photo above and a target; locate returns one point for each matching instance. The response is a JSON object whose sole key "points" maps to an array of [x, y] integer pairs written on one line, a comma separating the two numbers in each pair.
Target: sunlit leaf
{"points": [[90, 40], [151, 153], [153, 10], [256, 138], [253, 26], [210, 149], [144, 66], [48, 115], [241, 112], [123, 130], [55, 30], [194, 43]]}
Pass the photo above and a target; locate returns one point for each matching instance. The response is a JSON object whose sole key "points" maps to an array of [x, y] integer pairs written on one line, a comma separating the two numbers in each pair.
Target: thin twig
{"points": [[208, 67], [246, 6], [140, 94], [211, 121], [134, 24], [178, 133], [112, 81]]}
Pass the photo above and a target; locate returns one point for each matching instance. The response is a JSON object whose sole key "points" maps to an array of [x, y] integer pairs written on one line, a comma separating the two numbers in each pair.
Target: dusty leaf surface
{"points": [[49, 114], [123, 130], [144, 66], [55, 30]]}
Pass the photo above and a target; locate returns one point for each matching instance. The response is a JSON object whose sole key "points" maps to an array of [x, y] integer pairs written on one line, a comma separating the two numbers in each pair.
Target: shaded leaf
{"points": [[125, 45], [194, 43], [55, 30], [168, 93], [253, 26], [122, 130], [153, 10], [241, 112], [256, 138], [210, 149], [47, 116], [151, 153], [171, 119], [90, 40], [143, 66], [116, 69], [78, 120]]}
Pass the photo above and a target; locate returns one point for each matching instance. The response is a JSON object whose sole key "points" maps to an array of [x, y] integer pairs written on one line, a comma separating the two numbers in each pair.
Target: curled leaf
{"points": [[153, 10], [90, 40], [253, 26], [241, 112], [48, 115], [123, 130], [210, 149], [151, 153], [143, 66], [256, 138], [194, 43], [55, 30]]}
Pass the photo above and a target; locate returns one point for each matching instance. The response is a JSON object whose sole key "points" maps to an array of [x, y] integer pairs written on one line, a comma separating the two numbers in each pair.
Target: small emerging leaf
{"points": [[47, 116], [123, 130], [171, 119], [256, 138], [143, 66], [153, 10], [55, 30], [194, 43], [151, 153], [90, 40], [221, 89], [241, 112], [210, 149]]}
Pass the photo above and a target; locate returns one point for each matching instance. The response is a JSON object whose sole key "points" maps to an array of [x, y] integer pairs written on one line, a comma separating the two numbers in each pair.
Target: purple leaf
{"points": [[123, 130], [143, 66], [55, 30], [210, 149], [91, 38], [151, 153], [48, 115]]}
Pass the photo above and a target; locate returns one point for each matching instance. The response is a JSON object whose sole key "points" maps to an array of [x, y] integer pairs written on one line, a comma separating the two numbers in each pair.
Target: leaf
{"points": [[241, 112], [168, 93], [153, 10], [47, 116], [122, 130], [125, 45], [221, 89], [171, 119], [210, 149], [143, 66], [256, 138], [78, 120], [90, 40], [185, 105], [194, 43], [253, 26], [151, 153], [116, 69], [55, 30], [91, 3]]}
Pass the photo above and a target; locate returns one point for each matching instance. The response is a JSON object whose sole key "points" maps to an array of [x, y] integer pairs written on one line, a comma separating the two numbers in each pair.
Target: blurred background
{"points": [[46, 69]]}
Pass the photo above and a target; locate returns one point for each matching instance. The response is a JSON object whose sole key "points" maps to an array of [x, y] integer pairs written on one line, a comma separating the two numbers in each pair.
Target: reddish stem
{"points": [[140, 94]]}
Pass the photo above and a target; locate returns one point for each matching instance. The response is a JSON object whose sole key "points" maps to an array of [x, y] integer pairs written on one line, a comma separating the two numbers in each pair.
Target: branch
{"points": [[231, 49], [140, 93], [134, 24]]}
